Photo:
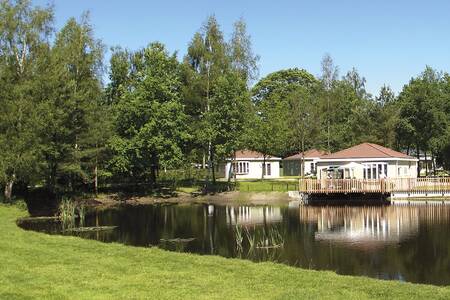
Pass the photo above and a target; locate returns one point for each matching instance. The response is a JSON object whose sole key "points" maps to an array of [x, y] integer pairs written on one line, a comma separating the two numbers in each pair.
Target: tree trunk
{"points": [[8, 189], [204, 160], [213, 171], [96, 180], [302, 162], [230, 170], [263, 167], [418, 161], [234, 173], [426, 164], [433, 163]]}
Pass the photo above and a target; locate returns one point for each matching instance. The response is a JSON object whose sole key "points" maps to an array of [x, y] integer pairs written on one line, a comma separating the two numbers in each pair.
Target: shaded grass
{"points": [[36, 265]]}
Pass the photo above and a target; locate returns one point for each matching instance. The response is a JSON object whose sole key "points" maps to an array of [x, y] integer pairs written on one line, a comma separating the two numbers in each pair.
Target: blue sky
{"points": [[387, 41]]}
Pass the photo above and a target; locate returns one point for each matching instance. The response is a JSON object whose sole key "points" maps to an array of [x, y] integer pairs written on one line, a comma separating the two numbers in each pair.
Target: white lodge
{"points": [[366, 161], [249, 165]]}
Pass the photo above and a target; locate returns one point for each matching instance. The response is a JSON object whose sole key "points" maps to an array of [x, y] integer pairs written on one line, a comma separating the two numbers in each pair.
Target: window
{"points": [[267, 169], [375, 170], [313, 168], [242, 167]]}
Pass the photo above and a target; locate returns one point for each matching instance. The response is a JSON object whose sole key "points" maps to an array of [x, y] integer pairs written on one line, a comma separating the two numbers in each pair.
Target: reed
{"points": [[67, 213], [239, 238], [81, 214]]}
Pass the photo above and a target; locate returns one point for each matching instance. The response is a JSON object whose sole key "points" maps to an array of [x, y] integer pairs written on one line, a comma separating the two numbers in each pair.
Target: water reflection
{"points": [[253, 215], [362, 226], [410, 243]]}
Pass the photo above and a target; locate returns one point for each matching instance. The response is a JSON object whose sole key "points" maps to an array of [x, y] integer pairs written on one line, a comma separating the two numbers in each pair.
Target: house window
{"points": [[267, 169], [375, 170], [242, 167], [313, 168]]}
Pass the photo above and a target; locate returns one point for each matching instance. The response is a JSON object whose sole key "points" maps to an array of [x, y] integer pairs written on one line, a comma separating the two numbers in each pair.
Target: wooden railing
{"points": [[390, 185]]}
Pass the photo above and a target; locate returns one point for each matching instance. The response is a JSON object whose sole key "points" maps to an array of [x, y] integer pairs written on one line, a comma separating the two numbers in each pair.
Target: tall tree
{"points": [[75, 91], [303, 121], [150, 125], [229, 115], [269, 129], [328, 78], [24, 33], [422, 113], [282, 83], [243, 60], [208, 60], [357, 82]]}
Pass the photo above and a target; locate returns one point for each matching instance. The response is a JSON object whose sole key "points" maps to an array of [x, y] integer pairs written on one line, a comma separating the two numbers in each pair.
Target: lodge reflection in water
{"points": [[365, 225], [253, 215], [369, 225], [408, 243]]}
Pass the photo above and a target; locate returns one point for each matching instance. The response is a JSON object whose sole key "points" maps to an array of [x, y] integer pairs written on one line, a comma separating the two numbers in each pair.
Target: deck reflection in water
{"points": [[363, 226], [408, 243]]}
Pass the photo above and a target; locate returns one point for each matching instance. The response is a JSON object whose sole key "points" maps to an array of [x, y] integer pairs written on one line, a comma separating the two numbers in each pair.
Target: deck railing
{"points": [[389, 185]]}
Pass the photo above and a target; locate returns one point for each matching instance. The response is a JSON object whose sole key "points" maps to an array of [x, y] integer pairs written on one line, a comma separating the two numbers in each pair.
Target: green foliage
{"points": [[62, 129], [73, 130], [424, 114], [23, 44], [281, 83], [150, 124]]}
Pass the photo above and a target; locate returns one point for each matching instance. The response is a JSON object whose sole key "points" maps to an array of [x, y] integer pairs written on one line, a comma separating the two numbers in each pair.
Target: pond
{"points": [[406, 243]]}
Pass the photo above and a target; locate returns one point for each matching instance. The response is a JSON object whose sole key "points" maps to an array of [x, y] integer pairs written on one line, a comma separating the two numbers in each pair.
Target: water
{"points": [[408, 243]]}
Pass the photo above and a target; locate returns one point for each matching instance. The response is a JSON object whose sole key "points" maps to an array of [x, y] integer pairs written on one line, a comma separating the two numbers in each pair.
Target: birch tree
{"points": [[24, 33]]}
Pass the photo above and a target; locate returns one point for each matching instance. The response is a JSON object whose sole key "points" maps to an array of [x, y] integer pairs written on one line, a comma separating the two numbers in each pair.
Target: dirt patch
{"points": [[226, 198]]}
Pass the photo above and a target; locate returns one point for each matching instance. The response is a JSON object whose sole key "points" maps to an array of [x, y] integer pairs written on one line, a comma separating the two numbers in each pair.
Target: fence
{"points": [[410, 185]]}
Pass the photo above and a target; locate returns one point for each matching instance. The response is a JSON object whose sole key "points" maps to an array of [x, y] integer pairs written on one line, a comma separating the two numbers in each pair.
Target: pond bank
{"points": [[37, 265], [225, 198]]}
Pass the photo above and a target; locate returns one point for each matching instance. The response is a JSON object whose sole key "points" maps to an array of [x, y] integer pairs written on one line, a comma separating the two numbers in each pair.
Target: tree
{"points": [[357, 82], [209, 65], [329, 76], [282, 83], [208, 59], [229, 115], [243, 60], [150, 125], [74, 93], [269, 129], [423, 118], [24, 31], [386, 117], [303, 121]]}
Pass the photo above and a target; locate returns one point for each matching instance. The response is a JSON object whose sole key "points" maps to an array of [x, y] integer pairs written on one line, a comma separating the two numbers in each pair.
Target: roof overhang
{"points": [[305, 158], [255, 159], [366, 159]]}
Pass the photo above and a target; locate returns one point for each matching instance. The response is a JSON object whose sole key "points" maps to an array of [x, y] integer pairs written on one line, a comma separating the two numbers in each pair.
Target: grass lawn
{"points": [[267, 186], [35, 265]]}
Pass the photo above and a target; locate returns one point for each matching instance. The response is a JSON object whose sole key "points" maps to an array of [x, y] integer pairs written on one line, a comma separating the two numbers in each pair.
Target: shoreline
{"points": [[224, 198]]}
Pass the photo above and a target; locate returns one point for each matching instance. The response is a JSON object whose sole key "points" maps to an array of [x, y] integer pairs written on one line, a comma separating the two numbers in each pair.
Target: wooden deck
{"points": [[438, 185]]}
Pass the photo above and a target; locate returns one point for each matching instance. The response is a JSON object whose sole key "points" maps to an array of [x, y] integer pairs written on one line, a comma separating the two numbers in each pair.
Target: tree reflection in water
{"points": [[409, 243]]}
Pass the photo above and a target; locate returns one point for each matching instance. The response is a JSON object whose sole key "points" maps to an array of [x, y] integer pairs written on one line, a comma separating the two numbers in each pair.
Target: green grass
{"points": [[267, 186], [35, 265]]}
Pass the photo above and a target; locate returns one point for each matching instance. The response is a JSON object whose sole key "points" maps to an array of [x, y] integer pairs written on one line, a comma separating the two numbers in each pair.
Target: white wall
{"points": [[255, 169], [408, 169], [291, 167]]}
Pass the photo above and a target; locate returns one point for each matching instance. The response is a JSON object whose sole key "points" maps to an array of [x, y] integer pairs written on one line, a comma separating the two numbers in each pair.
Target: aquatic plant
{"points": [[67, 213], [270, 239], [251, 238], [81, 214], [239, 238]]}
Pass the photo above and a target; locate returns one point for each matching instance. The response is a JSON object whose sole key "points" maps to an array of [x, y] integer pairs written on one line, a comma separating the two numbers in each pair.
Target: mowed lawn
{"points": [[35, 265]]}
